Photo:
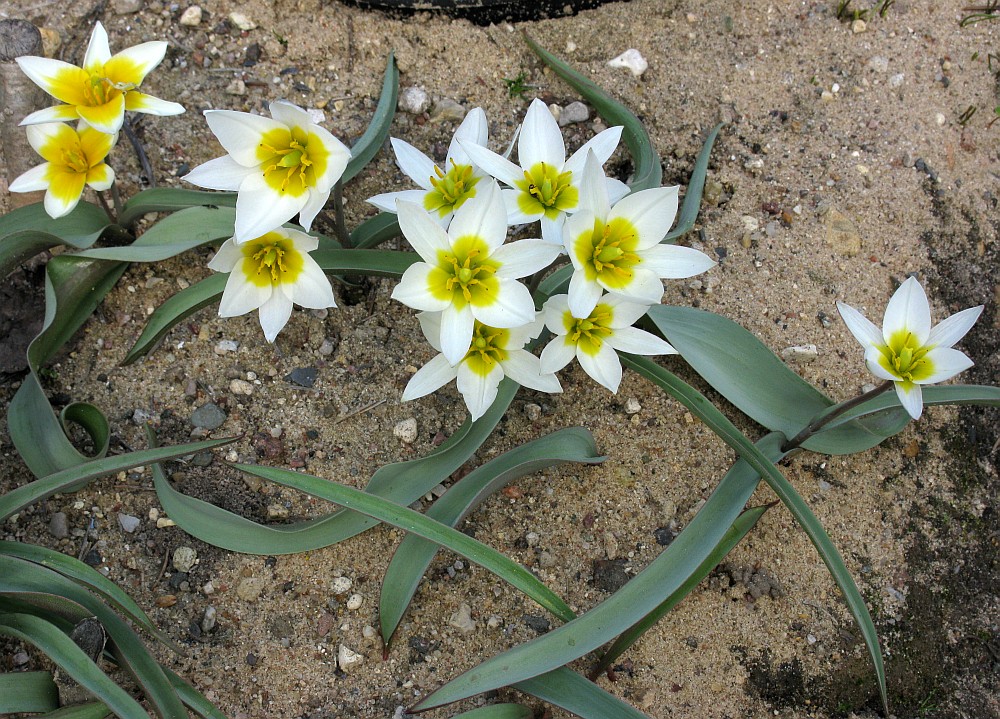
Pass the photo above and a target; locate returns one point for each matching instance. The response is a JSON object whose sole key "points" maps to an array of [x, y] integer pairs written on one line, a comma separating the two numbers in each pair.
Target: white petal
{"points": [[260, 208], [949, 331], [145, 56], [593, 189], [222, 173], [241, 296], [430, 325], [947, 363], [554, 311], [908, 311], [226, 258], [519, 336], [98, 50], [511, 307], [639, 342], [336, 161], [312, 288], [626, 313], [39, 136], [605, 368], [557, 354], [56, 113], [603, 145], [675, 261], [141, 102], [432, 376], [616, 189], [861, 327], [478, 391], [584, 294], [524, 257], [911, 398], [474, 131], [315, 201], [425, 235], [483, 216], [873, 362], [291, 115], [31, 181], [552, 230], [57, 207], [525, 369], [414, 163], [493, 164], [274, 314], [240, 133], [651, 211], [387, 200], [456, 332], [541, 140], [645, 287], [43, 70], [413, 290], [302, 241]]}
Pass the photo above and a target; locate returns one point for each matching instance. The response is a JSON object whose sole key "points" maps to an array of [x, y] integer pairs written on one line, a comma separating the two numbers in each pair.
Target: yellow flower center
{"points": [[905, 359], [466, 275], [545, 188], [608, 251], [451, 189], [487, 349], [74, 159], [291, 159], [588, 334], [271, 260]]}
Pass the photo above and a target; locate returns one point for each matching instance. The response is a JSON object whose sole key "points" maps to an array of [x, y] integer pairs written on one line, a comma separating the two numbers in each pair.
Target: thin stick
{"points": [[356, 412], [820, 422]]}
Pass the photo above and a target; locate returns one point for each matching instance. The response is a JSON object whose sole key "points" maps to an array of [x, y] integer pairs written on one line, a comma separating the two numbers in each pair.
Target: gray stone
{"points": [[414, 100], [209, 416], [250, 588], [573, 113], [126, 7], [447, 109], [185, 559], [462, 619], [59, 525], [128, 523]]}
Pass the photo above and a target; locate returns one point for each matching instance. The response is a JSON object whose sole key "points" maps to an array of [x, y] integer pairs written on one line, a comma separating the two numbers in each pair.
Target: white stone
{"points": [[241, 386], [632, 406], [316, 115], [406, 431], [191, 16], [414, 100], [800, 353], [462, 619], [241, 21], [896, 80], [348, 660], [224, 346], [184, 559], [631, 59], [341, 585], [355, 601]]}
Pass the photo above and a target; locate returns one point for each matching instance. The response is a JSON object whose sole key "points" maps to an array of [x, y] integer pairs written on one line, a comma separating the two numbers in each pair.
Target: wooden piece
{"points": [[19, 97]]}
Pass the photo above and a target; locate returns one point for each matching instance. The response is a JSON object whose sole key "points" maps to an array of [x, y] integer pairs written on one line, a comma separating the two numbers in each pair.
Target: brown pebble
{"points": [[912, 449], [167, 600]]}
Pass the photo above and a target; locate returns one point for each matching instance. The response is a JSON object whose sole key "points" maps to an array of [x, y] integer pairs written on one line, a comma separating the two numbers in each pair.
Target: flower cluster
{"points": [[474, 309], [96, 97]]}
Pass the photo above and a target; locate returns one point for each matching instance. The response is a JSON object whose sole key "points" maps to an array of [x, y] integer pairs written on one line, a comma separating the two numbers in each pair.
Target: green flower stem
{"points": [[824, 418]]}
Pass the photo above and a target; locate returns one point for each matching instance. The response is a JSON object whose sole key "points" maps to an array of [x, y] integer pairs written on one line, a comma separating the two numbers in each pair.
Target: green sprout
{"points": [[516, 87]]}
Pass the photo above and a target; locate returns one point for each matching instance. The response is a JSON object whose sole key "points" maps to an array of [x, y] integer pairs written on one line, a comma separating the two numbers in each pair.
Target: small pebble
{"points": [[369, 632], [800, 353], [447, 109], [878, 63], [236, 87], [348, 660], [532, 539], [208, 619], [462, 619], [209, 416], [224, 346], [532, 411], [632, 406], [184, 559], [241, 21], [858, 26], [241, 386], [191, 16], [126, 7], [406, 431], [277, 511], [164, 522], [59, 525], [414, 100], [574, 113], [631, 59], [355, 601], [341, 585], [896, 80], [128, 523], [249, 589]]}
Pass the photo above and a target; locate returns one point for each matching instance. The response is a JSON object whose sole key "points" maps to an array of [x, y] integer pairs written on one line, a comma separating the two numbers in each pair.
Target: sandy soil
{"points": [[842, 168]]}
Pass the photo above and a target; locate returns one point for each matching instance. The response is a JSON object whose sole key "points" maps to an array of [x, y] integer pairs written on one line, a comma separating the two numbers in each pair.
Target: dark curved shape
{"points": [[484, 12]]}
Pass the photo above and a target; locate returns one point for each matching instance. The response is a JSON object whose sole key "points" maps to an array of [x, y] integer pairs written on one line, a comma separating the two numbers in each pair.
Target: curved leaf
{"points": [[177, 233], [628, 605], [648, 172], [695, 188], [377, 133], [192, 698], [27, 692], [71, 659], [414, 554], [416, 523], [20, 497], [743, 524], [90, 710], [970, 394], [570, 691], [744, 371], [172, 199], [375, 230], [401, 482], [28, 230], [498, 711]]}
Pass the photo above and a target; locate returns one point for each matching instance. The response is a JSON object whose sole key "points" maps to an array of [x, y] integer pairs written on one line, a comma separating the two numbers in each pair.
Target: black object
{"points": [[484, 12]]}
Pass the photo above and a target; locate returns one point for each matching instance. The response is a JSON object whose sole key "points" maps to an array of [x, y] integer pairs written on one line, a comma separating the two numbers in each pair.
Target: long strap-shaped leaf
{"points": [[412, 521], [401, 482], [572, 692], [26, 231], [498, 711], [368, 145], [648, 172], [971, 394], [628, 605], [27, 692], [192, 698], [73, 660], [90, 710], [172, 199], [414, 554]]}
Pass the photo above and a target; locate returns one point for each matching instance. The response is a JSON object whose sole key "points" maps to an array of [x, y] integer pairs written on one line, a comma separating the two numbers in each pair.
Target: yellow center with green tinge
{"points": [[487, 348], [291, 160], [545, 189], [588, 334], [465, 275], [271, 260], [451, 189], [608, 252], [903, 358]]}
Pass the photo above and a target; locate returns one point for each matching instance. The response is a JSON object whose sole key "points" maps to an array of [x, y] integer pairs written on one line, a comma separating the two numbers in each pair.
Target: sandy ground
{"points": [[842, 168]]}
